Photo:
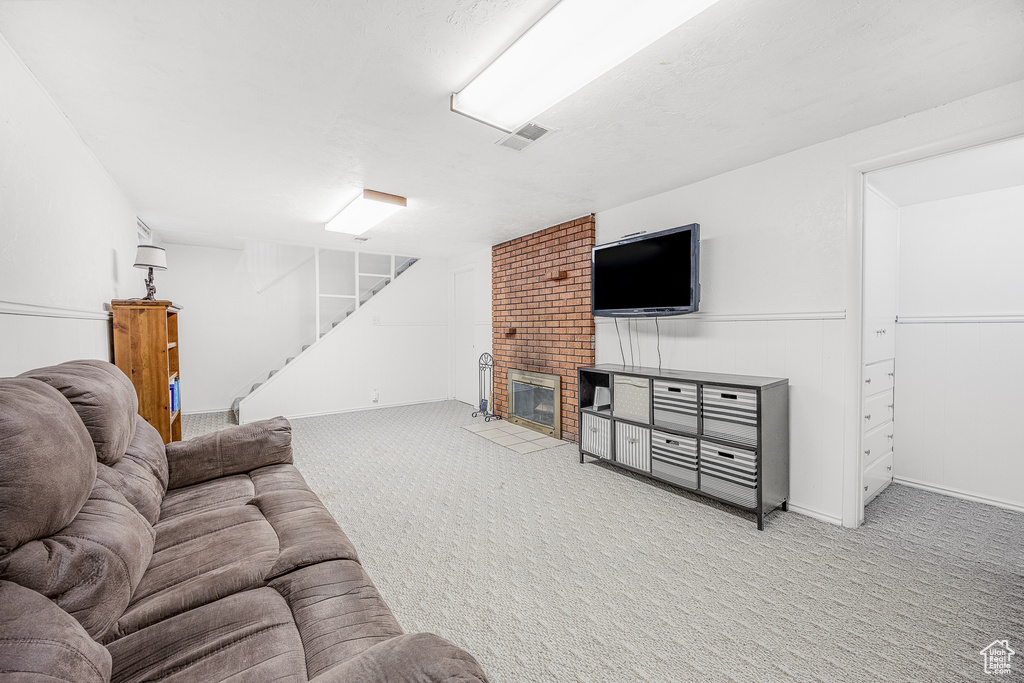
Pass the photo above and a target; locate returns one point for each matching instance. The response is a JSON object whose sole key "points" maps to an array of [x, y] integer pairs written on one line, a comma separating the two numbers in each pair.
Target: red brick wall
{"points": [[551, 317]]}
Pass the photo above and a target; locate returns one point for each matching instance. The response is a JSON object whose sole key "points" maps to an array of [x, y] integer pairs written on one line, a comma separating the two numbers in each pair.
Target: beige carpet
{"points": [[549, 570]]}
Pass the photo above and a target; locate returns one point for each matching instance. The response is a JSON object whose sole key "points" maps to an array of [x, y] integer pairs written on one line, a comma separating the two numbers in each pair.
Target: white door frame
{"points": [[853, 504]]}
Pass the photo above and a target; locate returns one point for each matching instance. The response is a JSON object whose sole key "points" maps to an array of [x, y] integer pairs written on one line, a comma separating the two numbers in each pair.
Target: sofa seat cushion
{"points": [[248, 636], [91, 566], [200, 558], [141, 474], [307, 532], [338, 612], [219, 493]]}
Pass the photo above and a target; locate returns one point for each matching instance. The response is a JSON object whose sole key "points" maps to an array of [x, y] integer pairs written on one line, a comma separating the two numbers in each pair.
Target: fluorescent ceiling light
{"points": [[365, 211], [574, 43]]}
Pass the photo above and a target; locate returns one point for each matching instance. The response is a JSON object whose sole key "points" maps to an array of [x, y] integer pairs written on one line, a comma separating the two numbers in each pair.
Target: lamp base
{"points": [[150, 288]]}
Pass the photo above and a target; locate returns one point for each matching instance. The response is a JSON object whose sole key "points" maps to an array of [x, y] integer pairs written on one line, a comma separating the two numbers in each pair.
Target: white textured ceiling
{"points": [[256, 119]]}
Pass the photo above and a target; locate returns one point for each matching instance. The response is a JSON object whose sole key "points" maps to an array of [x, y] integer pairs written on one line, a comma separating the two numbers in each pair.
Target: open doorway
{"points": [[943, 325]]}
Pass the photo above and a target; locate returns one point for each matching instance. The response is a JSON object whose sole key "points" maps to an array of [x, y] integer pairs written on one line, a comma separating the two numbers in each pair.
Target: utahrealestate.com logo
{"points": [[997, 657]]}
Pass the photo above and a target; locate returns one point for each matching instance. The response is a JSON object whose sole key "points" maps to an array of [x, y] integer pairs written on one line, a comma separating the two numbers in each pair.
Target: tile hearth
{"points": [[519, 439]]}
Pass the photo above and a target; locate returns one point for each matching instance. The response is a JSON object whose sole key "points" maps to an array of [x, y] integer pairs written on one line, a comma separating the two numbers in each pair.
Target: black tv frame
{"points": [[653, 312]]}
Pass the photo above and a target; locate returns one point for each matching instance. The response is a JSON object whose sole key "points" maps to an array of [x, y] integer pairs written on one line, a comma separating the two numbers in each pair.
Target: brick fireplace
{"points": [[541, 319]]}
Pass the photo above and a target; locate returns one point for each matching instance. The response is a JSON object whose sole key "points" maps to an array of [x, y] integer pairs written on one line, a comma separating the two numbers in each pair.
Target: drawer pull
{"points": [[867, 381], [670, 442], [868, 416], [726, 455], [633, 439], [890, 436], [594, 429], [893, 375], [867, 452], [889, 468], [865, 488], [732, 396], [891, 406], [675, 390]]}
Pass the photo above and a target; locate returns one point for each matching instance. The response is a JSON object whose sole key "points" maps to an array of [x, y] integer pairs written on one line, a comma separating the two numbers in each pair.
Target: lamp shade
{"points": [[149, 256]]}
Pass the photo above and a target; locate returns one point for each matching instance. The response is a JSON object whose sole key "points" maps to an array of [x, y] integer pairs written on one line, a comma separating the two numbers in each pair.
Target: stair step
{"points": [[289, 360], [255, 386], [306, 346], [234, 408], [272, 373]]}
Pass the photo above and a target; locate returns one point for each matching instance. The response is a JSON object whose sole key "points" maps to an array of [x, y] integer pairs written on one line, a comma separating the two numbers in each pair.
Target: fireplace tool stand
{"points": [[486, 386]]}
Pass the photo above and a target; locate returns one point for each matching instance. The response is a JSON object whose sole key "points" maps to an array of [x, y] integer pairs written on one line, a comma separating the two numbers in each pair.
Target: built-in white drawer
{"points": [[877, 442], [730, 414], [596, 436], [879, 340], [675, 405], [878, 410], [878, 377], [674, 458], [633, 446], [631, 398], [877, 476]]}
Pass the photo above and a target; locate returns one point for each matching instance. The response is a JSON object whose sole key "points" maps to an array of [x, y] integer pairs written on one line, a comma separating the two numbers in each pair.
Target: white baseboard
{"points": [[361, 408], [1005, 504], [800, 510]]}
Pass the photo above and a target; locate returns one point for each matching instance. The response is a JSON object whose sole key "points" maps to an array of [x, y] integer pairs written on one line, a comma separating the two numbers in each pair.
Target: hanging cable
{"points": [[658, 329], [619, 336], [630, 335], [639, 358]]}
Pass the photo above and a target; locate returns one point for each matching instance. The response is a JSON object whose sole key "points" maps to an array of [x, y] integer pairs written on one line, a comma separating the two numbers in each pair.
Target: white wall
{"points": [[244, 313], [480, 263], [397, 344], [959, 345], [776, 279], [67, 233]]}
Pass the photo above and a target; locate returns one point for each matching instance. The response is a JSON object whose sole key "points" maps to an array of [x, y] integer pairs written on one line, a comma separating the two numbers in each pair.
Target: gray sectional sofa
{"points": [[207, 560]]}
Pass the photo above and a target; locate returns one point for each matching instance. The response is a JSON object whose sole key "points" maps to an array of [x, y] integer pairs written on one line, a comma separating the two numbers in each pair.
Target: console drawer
{"points": [[675, 405], [633, 446], [631, 398], [730, 414], [727, 462], [738, 494], [596, 436], [674, 458]]}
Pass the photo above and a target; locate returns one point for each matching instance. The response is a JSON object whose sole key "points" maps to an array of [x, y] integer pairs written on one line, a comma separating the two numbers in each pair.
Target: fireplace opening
{"points": [[535, 401]]}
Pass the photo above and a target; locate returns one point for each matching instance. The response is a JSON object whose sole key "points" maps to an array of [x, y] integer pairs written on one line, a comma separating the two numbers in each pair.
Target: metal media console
{"points": [[724, 436]]}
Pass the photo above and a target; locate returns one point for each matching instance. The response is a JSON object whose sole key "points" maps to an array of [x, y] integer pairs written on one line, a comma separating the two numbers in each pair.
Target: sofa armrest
{"points": [[409, 658], [229, 451], [41, 642]]}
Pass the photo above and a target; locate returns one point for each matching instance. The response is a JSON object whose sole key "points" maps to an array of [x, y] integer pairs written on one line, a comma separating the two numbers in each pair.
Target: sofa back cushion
{"points": [[90, 567], [47, 462], [104, 398], [141, 475]]}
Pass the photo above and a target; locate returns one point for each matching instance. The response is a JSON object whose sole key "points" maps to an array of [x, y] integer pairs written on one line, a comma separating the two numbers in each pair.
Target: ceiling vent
{"points": [[524, 136]]}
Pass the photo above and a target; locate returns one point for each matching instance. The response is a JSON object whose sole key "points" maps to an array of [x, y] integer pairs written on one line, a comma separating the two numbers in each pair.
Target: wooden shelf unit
{"points": [[146, 349]]}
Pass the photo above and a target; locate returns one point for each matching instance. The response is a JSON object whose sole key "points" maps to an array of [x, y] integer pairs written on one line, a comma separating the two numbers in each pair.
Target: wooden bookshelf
{"points": [[146, 349]]}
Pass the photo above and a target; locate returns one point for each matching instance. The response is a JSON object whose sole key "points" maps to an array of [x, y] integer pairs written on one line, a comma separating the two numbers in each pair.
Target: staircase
{"points": [[367, 285]]}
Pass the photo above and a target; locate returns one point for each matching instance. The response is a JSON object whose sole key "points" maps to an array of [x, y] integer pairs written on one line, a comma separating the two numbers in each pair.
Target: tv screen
{"points": [[649, 275]]}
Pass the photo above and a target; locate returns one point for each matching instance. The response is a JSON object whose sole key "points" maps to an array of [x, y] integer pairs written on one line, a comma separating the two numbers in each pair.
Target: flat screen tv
{"points": [[648, 275]]}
